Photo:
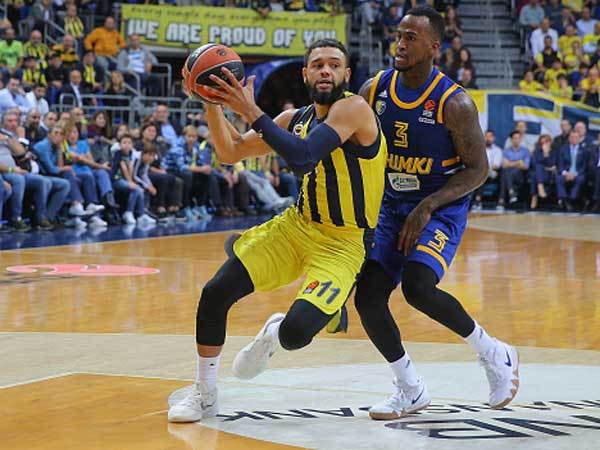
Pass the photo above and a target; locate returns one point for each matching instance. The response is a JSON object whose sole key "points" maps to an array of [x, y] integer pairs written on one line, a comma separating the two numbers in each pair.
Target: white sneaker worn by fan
{"points": [[201, 403], [501, 366], [254, 357], [406, 400]]}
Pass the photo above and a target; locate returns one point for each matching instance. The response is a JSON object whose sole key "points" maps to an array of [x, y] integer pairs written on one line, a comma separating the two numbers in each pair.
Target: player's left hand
{"points": [[413, 226], [232, 94]]}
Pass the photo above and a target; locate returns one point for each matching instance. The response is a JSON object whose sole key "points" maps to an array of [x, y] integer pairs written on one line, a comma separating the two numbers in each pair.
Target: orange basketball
{"points": [[205, 61]]}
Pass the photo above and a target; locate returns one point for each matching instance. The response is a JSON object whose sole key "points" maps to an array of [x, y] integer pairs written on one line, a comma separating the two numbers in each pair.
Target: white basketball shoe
{"points": [[199, 404], [501, 366], [254, 357], [406, 400]]}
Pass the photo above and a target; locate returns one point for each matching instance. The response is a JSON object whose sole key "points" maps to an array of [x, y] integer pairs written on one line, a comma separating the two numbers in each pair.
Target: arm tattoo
{"points": [[461, 119]]}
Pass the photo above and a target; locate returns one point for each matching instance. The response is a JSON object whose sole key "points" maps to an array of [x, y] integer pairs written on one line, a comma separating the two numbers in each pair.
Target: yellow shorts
{"points": [[288, 246]]}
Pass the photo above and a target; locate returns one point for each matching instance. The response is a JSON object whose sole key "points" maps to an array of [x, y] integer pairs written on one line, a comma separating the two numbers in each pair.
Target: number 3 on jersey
{"points": [[401, 136]]}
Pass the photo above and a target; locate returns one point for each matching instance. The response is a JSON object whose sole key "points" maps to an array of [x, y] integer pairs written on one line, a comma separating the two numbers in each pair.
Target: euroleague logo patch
{"points": [[83, 270]]}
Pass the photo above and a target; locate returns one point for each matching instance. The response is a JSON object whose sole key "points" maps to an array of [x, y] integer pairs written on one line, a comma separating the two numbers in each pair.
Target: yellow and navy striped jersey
{"points": [[346, 187], [74, 27]]}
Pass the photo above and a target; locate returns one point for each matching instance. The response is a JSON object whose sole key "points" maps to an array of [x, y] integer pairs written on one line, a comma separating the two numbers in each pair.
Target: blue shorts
{"points": [[435, 247]]}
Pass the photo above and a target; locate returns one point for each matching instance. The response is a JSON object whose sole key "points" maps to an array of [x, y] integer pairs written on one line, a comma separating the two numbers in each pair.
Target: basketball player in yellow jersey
{"points": [[337, 145]]}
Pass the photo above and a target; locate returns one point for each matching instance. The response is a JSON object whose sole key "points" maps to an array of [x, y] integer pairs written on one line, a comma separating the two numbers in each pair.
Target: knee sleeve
{"points": [[302, 322], [418, 284], [230, 283], [373, 288]]}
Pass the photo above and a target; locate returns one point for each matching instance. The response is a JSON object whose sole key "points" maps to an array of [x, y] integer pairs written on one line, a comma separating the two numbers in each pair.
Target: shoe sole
{"points": [[515, 382], [395, 415], [260, 334]]}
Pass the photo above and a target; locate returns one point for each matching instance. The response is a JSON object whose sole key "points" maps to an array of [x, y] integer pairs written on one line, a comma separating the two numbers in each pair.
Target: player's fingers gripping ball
{"points": [[204, 62]]}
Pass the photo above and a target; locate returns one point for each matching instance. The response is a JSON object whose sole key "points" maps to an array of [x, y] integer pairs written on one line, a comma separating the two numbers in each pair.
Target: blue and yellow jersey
{"points": [[421, 154], [345, 189]]}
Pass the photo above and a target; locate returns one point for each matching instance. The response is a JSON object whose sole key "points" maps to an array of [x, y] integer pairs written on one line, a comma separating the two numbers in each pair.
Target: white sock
{"points": [[206, 371], [480, 340], [404, 371]]}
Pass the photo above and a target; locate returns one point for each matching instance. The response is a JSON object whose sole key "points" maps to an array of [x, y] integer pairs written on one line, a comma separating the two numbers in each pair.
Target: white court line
{"points": [[35, 380]]}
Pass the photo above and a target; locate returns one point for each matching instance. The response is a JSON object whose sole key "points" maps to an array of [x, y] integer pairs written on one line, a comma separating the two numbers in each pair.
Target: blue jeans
{"points": [[102, 177], [87, 184], [135, 196], [38, 186], [4, 195], [74, 191], [17, 183], [58, 189], [288, 185]]}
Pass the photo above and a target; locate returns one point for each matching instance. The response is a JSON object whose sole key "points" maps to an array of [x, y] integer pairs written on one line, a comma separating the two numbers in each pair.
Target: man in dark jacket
{"points": [[573, 163]]}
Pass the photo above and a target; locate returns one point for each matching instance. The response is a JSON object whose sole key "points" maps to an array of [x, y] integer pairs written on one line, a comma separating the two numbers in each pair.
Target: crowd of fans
{"points": [[454, 59], [564, 42], [554, 172]]}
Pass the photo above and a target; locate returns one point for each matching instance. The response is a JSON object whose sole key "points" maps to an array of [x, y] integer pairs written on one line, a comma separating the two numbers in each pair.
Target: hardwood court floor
{"points": [[517, 275]]}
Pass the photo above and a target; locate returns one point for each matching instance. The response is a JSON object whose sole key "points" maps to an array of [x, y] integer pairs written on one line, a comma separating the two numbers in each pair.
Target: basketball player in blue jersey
{"points": [[436, 158], [337, 144]]}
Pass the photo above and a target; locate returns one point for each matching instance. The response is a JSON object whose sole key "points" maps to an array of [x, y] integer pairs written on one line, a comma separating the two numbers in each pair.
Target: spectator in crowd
{"points": [[546, 58], [221, 185], [538, 36], [72, 24], [565, 42], [74, 91], [168, 129], [527, 140], [137, 61], [36, 48], [33, 131], [106, 41], [49, 121], [573, 161], [566, 19], [78, 152], [591, 41], [531, 15], [563, 138], [167, 193], [13, 97], [141, 166], [123, 182], [465, 61], [56, 76], [37, 99], [16, 169], [529, 84], [452, 25], [261, 187], [553, 11], [11, 54], [451, 55], [262, 7], [585, 140], [564, 89], [544, 162], [5, 193], [92, 73], [467, 80], [77, 116], [99, 131], [585, 25], [192, 162], [32, 74], [120, 98], [551, 75], [515, 163], [68, 53], [284, 182], [40, 14], [591, 87], [494, 156]]}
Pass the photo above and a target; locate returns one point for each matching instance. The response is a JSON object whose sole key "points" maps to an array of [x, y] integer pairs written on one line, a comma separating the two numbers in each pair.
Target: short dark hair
{"points": [[125, 136], [512, 133], [436, 21], [327, 43]]}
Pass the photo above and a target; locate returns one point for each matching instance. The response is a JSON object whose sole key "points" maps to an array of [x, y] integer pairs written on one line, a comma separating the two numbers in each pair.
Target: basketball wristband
{"points": [[301, 155]]}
